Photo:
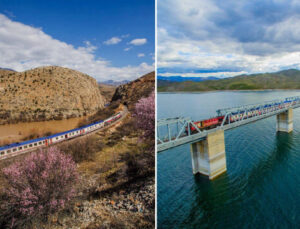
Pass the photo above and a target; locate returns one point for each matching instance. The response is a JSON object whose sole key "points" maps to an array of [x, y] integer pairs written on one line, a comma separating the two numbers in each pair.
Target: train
{"points": [[22, 147], [235, 116], [206, 124]]}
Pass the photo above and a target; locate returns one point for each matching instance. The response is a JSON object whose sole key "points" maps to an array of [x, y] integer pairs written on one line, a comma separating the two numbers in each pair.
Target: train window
{"points": [[20, 147], [8, 151], [40, 143], [35, 144], [15, 149], [43, 141], [2, 152], [25, 147], [61, 136], [30, 145]]}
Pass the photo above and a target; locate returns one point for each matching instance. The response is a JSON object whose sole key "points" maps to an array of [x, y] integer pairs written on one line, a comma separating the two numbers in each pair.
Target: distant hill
{"points": [[114, 83], [183, 79], [131, 92], [6, 71], [286, 79], [47, 93]]}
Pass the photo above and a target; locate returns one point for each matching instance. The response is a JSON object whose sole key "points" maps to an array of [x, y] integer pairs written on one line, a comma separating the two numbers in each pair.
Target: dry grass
{"points": [[83, 149]]}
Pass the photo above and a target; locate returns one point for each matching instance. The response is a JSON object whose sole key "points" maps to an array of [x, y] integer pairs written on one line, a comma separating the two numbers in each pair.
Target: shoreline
{"points": [[198, 92]]}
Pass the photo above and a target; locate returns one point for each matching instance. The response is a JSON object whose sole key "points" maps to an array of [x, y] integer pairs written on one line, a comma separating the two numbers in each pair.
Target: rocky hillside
{"points": [[131, 92], [47, 93]]}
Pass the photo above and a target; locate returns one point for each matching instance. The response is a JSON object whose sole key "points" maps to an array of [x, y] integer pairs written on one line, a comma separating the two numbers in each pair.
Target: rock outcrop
{"points": [[47, 93], [131, 92]]}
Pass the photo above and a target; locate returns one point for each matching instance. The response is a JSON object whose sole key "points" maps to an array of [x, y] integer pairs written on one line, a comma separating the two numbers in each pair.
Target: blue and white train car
{"points": [[18, 148]]}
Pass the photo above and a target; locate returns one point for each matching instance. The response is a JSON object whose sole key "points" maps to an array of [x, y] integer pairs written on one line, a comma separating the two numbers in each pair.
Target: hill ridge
{"points": [[47, 93], [284, 79]]}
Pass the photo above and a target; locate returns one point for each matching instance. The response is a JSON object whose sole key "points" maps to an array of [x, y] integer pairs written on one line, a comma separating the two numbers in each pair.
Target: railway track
{"points": [[47, 143]]}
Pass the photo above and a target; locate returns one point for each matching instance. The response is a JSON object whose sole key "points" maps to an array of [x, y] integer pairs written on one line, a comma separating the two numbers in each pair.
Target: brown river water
{"points": [[10, 133]]}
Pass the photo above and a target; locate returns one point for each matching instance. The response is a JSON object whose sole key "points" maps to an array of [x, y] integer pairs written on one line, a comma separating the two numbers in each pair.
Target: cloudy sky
{"points": [[105, 39], [227, 38]]}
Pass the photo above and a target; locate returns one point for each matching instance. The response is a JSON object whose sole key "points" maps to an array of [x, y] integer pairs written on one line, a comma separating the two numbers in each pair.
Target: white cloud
{"points": [[127, 49], [113, 41], [250, 37], [141, 55], [24, 47], [138, 41]]}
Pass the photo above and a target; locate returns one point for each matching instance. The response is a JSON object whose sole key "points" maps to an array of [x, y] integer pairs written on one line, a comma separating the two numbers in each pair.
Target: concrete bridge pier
{"points": [[208, 155], [285, 121]]}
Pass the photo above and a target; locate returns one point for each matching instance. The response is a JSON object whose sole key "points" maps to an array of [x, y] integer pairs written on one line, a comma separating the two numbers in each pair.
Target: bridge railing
{"points": [[256, 105], [173, 129], [249, 111]]}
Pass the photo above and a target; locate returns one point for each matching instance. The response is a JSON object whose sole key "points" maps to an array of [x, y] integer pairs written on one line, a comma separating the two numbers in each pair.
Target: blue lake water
{"points": [[261, 188]]}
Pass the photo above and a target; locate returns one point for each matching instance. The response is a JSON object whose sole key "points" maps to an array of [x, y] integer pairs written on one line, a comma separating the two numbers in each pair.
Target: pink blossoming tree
{"points": [[40, 184], [145, 115]]}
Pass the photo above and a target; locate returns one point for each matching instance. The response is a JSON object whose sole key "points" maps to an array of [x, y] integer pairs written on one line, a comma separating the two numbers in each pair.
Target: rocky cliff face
{"points": [[47, 93], [131, 92]]}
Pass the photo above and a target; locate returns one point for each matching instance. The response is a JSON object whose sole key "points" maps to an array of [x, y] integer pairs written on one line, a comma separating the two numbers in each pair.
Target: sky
{"points": [[227, 38], [109, 40]]}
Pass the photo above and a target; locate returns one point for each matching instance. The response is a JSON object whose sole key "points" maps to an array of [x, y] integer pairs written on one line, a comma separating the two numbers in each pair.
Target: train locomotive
{"points": [[18, 148]]}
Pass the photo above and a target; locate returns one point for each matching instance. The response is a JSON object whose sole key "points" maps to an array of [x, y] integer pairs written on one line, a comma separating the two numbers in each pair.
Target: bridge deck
{"points": [[177, 133]]}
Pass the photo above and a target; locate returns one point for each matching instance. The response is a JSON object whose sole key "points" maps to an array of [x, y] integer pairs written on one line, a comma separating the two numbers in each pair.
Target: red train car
{"points": [[206, 124]]}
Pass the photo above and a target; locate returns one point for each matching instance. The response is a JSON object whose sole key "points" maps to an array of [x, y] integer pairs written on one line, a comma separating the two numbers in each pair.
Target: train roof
{"points": [[17, 144], [79, 128], [44, 138]]}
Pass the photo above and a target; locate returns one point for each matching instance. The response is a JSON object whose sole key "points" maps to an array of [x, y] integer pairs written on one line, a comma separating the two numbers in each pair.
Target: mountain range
{"points": [[286, 79], [183, 79], [114, 83]]}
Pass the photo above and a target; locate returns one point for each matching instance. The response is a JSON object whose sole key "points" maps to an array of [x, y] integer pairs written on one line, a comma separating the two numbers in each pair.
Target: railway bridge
{"points": [[208, 144]]}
